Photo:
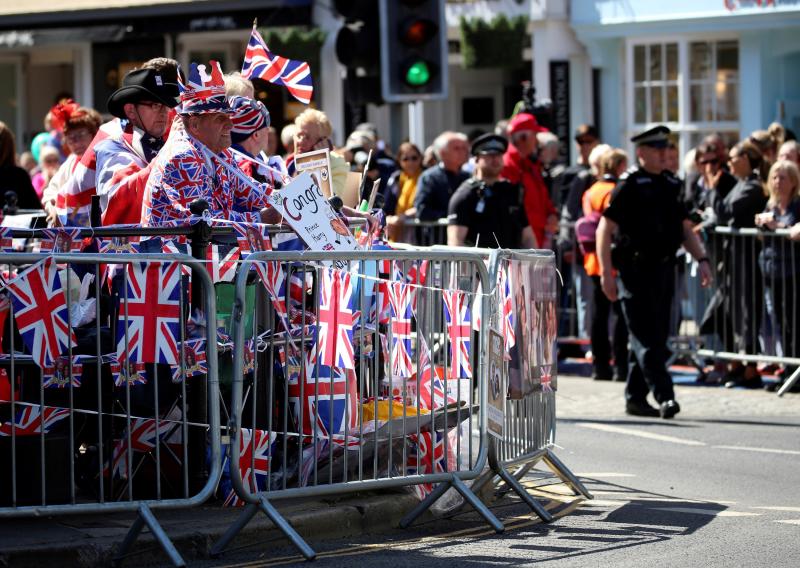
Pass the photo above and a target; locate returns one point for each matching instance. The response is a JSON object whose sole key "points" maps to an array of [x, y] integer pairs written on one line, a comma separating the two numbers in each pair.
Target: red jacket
{"points": [[521, 170]]}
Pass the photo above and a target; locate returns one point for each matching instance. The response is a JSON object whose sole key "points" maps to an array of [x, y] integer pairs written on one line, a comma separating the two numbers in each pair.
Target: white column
{"points": [[329, 81], [82, 73]]}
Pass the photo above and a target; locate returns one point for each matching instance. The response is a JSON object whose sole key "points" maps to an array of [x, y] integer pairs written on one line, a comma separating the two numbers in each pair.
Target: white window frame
{"points": [[684, 127]]}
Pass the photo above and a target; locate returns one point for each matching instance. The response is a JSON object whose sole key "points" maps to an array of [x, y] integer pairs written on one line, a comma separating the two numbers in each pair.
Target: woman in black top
{"points": [[12, 177]]}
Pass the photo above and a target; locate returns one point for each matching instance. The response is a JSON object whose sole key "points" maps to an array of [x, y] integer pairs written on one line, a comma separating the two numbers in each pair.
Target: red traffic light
{"points": [[417, 32]]}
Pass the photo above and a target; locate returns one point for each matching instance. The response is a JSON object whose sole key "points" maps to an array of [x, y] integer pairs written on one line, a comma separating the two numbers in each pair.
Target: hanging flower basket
{"points": [[498, 43]]}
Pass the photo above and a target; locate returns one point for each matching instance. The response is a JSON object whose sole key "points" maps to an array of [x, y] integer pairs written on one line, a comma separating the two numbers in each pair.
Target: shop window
{"points": [[655, 83]]}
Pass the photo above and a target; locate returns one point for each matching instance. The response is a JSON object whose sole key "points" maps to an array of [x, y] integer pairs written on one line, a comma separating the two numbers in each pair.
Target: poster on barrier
{"points": [[497, 391]]}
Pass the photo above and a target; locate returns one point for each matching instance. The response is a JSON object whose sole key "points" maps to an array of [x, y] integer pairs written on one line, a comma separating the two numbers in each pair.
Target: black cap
{"points": [[656, 137], [143, 85], [489, 144]]}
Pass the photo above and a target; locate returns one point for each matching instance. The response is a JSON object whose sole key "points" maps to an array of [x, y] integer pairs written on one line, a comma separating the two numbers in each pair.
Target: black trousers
{"points": [[601, 347], [646, 293]]}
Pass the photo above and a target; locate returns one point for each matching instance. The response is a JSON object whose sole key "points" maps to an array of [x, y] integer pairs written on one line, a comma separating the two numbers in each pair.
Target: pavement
{"points": [[91, 540]]}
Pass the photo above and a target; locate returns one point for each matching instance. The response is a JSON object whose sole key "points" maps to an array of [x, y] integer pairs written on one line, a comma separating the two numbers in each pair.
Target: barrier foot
{"points": [[565, 474], [424, 505], [535, 506], [276, 518], [789, 382], [146, 517], [519, 474], [479, 505], [241, 521], [485, 478]]}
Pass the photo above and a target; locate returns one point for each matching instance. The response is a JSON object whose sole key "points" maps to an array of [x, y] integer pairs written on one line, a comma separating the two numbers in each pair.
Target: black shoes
{"points": [[635, 408], [669, 408]]}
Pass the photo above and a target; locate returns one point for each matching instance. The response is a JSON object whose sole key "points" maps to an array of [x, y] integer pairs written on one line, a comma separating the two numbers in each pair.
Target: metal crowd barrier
{"points": [[527, 281], [420, 233], [391, 412], [752, 314], [86, 430]]}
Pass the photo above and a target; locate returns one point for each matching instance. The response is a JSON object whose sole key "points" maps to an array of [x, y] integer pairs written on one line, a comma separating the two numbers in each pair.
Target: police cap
{"points": [[489, 144], [656, 137]]}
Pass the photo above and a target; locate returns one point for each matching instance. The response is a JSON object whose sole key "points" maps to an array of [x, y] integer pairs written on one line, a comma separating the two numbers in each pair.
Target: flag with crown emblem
{"points": [[260, 63]]}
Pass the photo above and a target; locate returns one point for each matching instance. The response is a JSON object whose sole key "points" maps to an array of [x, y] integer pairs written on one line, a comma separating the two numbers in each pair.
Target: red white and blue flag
{"points": [[40, 308], [255, 454], [430, 380], [221, 261], [144, 432], [61, 240], [459, 331], [58, 375], [149, 313], [400, 297], [507, 309], [131, 373], [336, 319], [30, 420], [194, 360], [260, 63], [6, 239], [252, 237], [426, 455]]}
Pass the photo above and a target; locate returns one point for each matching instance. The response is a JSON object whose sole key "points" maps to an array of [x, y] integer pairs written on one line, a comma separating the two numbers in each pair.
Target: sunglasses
{"points": [[156, 107], [409, 158], [584, 142], [709, 161]]}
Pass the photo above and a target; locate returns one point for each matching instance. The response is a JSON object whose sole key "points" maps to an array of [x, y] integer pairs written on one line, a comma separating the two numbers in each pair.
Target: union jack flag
{"points": [[131, 373], [255, 454], [61, 240], [336, 319], [426, 455], [6, 239], [222, 262], [249, 357], [30, 420], [194, 356], [459, 330], [400, 297], [274, 279], [143, 435], [119, 245], [507, 309], [252, 237], [326, 402], [40, 309], [260, 63], [58, 374], [150, 313]]}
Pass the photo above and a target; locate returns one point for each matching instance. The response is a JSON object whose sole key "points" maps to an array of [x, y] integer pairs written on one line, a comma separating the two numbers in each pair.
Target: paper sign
{"points": [[303, 206], [497, 387], [317, 163]]}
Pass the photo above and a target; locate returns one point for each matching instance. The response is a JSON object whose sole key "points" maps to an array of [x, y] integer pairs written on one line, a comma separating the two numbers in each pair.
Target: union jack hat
{"points": [[249, 116], [202, 93]]}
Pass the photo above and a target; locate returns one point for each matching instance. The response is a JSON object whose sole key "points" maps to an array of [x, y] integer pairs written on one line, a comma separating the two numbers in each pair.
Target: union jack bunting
{"points": [[130, 373], [249, 364], [144, 433], [425, 455], [119, 245], [274, 279], [30, 420], [255, 454], [194, 357], [459, 330], [507, 309], [61, 240], [336, 319], [326, 402], [261, 64], [40, 308], [6, 239], [221, 262], [252, 237], [149, 313], [400, 297], [58, 375]]}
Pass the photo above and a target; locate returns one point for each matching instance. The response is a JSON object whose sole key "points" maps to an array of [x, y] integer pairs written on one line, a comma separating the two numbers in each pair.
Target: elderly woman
{"points": [[778, 259], [79, 126]]}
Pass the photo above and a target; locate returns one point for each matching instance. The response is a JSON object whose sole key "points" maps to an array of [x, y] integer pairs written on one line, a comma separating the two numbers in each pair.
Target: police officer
{"points": [[638, 236], [486, 210]]}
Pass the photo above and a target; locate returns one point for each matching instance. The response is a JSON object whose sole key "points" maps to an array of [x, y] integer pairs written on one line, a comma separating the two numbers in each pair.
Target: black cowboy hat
{"points": [[143, 85]]}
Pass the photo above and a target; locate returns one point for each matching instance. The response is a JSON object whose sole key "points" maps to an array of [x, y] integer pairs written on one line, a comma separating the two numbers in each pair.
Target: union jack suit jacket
{"points": [[182, 173]]}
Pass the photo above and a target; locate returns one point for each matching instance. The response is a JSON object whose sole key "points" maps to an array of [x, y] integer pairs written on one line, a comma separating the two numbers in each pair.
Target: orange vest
{"points": [[597, 199]]}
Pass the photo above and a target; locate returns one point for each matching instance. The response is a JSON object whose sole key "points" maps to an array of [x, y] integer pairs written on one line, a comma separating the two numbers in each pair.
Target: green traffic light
{"points": [[418, 73]]}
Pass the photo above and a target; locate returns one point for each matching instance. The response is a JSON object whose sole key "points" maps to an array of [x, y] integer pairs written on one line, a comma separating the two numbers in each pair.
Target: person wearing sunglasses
{"points": [[401, 189]]}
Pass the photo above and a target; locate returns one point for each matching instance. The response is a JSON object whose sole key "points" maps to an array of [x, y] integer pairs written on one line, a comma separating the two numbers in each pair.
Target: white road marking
{"points": [[710, 512], [641, 434], [790, 522], [791, 509], [606, 474], [764, 450]]}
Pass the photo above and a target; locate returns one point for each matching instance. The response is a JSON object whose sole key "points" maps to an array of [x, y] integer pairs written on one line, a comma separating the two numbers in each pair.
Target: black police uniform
{"points": [[650, 215], [493, 214]]}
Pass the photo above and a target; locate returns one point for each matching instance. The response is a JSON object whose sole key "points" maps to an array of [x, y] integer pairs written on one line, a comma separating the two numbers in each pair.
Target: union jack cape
{"points": [[40, 309], [260, 63], [149, 313], [30, 420]]}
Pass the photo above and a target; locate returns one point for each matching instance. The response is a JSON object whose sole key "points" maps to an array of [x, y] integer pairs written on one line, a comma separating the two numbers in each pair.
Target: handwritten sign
{"points": [[305, 208], [317, 163]]}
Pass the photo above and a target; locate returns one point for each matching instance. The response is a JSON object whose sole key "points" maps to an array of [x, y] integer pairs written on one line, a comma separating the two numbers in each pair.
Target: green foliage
{"points": [[498, 43], [297, 43]]}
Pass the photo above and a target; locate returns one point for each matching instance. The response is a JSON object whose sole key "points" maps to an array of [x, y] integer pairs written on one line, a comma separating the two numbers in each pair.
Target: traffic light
{"points": [[358, 49], [413, 50]]}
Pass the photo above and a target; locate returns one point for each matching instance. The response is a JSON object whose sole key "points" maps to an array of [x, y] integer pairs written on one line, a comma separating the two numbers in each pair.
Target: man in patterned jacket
{"points": [[197, 164]]}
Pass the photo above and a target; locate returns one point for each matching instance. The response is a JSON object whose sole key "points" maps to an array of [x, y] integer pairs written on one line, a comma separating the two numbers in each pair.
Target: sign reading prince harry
{"points": [[305, 208]]}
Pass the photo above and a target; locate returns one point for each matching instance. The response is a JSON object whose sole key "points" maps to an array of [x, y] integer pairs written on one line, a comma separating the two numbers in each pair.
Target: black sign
{"points": [[559, 93]]}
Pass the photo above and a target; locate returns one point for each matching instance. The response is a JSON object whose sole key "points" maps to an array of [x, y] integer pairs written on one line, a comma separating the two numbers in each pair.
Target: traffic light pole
{"points": [[416, 124]]}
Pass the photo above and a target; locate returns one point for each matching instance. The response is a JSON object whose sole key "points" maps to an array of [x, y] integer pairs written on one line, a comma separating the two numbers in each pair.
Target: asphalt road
{"points": [[717, 486]]}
